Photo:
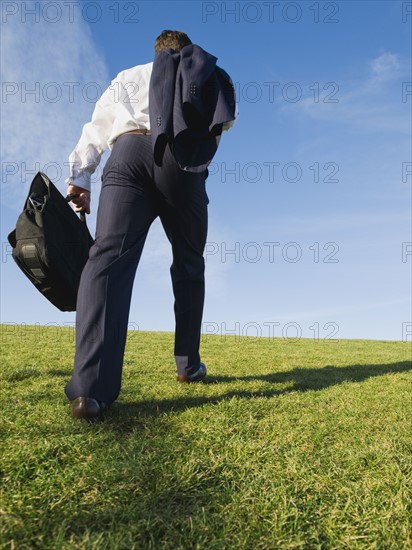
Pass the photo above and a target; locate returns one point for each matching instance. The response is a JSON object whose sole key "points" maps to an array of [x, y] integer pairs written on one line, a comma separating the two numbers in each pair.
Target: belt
{"points": [[139, 131]]}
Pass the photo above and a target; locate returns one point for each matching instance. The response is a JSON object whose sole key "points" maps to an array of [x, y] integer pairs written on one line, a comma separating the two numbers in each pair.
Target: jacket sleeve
{"points": [[86, 156], [227, 125]]}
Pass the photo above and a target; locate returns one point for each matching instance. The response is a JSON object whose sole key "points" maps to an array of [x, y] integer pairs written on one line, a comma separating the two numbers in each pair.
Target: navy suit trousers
{"points": [[134, 192]]}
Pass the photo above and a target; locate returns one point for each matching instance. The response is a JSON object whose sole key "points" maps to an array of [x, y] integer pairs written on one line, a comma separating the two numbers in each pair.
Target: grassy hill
{"points": [[289, 444]]}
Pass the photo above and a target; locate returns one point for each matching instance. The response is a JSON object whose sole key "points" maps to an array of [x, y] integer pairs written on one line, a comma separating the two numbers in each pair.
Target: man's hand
{"points": [[82, 203]]}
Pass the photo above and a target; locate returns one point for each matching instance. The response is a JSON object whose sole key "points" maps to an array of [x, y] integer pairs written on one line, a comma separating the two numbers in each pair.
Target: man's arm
{"points": [[86, 156]]}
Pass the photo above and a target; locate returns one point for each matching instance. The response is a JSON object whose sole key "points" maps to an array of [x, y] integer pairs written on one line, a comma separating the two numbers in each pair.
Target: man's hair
{"points": [[176, 40]]}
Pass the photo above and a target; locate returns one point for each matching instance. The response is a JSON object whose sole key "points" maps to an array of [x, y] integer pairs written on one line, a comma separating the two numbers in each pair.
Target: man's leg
{"points": [[183, 212], [126, 211]]}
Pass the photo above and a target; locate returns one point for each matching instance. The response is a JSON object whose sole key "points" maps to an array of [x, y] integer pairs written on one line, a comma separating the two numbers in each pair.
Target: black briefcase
{"points": [[51, 243]]}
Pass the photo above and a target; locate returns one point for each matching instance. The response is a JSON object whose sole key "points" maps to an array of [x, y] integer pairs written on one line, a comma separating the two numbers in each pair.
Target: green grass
{"points": [[300, 444]]}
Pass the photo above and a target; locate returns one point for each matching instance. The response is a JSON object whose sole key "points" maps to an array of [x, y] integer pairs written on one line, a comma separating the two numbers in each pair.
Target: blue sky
{"points": [[310, 193]]}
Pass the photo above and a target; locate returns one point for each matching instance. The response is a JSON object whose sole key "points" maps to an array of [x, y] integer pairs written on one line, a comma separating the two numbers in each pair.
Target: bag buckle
{"points": [[36, 202]]}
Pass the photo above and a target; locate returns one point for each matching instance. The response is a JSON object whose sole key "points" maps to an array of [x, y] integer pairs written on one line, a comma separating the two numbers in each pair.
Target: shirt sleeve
{"points": [[86, 156]]}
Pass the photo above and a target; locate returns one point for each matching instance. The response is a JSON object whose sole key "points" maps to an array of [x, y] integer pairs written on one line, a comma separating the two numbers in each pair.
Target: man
{"points": [[189, 108]]}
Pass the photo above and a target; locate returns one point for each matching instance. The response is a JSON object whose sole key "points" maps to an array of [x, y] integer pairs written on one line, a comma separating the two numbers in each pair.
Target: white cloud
{"points": [[385, 66], [372, 103], [60, 63]]}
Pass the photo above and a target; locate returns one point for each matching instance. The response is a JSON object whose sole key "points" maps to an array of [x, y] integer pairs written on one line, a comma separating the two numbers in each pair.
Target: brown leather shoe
{"points": [[197, 376], [87, 408]]}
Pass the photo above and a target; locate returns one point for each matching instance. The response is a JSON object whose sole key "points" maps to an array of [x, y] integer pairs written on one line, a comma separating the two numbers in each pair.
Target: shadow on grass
{"points": [[59, 372], [318, 379], [299, 380]]}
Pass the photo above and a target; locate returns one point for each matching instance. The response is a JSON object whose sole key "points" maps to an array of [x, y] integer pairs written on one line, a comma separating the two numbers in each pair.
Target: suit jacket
{"points": [[190, 98]]}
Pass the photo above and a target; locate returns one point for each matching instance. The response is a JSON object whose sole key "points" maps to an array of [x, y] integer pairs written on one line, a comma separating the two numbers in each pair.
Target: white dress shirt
{"points": [[123, 107]]}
